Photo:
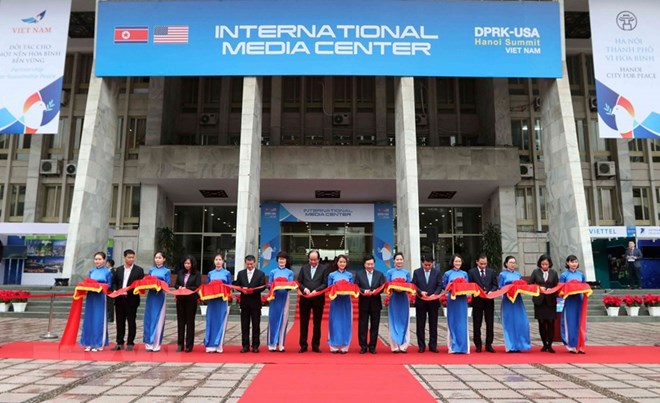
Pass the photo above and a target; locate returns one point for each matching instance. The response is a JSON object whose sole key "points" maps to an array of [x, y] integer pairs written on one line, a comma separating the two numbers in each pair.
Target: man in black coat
{"points": [[483, 308], [313, 277], [126, 305], [250, 303], [370, 305], [428, 282]]}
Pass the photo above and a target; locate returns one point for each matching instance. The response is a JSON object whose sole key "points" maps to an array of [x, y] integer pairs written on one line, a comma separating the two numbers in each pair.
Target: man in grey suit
{"points": [[633, 256], [313, 277], [369, 305]]}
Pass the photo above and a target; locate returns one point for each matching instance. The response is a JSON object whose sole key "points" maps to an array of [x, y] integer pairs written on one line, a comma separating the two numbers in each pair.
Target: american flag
{"points": [[171, 34]]}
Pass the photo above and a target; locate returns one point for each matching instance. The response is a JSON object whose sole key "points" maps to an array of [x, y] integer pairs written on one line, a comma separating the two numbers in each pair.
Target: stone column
{"points": [[407, 191], [92, 194], [566, 203], [249, 173], [32, 184], [156, 211], [501, 211], [502, 106], [156, 114]]}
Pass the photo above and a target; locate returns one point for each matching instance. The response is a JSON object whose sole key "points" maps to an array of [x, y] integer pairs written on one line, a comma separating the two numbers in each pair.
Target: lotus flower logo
{"points": [[35, 19]]}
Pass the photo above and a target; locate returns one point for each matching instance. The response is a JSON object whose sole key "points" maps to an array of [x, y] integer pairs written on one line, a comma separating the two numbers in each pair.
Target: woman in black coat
{"points": [[545, 305], [186, 305]]}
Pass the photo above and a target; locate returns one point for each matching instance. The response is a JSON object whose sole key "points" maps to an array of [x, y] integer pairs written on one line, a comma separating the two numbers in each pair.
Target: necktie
{"points": [[426, 274], [369, 274], [483, 274], [313, 271], [545, 276]]}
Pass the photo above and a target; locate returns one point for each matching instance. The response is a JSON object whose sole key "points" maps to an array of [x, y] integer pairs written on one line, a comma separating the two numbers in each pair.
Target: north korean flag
{"points": [[132, 34]]}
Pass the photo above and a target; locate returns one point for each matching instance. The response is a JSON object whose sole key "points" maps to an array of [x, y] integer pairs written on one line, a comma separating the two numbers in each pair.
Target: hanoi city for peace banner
{"points": [[33, 39], [625, 37], [342, 37]]}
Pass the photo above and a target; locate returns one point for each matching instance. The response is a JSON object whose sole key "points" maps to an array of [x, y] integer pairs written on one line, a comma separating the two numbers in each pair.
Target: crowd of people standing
{"points": [[426, 283]]}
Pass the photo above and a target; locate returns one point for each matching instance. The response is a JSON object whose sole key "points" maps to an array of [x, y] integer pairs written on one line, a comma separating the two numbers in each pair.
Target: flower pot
{"points": [[613, 310], [444, 311], [19, 306], [4, 306], [654, 310], [413, 312], [469, 311], [265, 310], [203, 309], [632, 310]]}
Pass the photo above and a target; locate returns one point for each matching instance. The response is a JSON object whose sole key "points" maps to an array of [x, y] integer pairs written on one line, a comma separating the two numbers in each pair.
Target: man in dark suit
{"points": [[428, 282], [633, 256], [483, 308], [312, 278], [369, 305], [250, 303], [126, 305]]}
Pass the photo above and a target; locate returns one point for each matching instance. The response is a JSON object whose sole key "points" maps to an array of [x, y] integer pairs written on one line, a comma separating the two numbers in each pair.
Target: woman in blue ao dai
{"points": [[572, 313], [278, 314], [95, 322], [154, 310], [458, 341], [515, 323], [398, 310], [340, 321], [218, 309]]}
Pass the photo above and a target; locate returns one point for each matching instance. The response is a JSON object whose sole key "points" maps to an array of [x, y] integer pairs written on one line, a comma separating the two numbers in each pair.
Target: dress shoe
{"points": [[179, 349], [545, 348], [363, 350], [490, 349], [302, 349], [433, 350], [189, 349], [421, 349], [403, 351], [478, 349], [343, 352], [245, 350], [255, 349], [117, 347], [581, 352], [372, 350], [550, 349], [316, 349], [130, 347]]}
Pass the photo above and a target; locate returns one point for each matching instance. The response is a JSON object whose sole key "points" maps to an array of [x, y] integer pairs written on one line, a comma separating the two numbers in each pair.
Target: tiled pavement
{"points": [[116, 382]]}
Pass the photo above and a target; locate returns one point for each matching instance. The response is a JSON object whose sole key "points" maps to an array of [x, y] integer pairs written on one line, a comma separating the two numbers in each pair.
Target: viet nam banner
{"points": [[625, 37], [33, 40], [342, 37]]}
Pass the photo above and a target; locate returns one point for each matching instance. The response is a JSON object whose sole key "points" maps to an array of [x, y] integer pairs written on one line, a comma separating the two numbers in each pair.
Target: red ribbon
{"points": [[73, 322]]}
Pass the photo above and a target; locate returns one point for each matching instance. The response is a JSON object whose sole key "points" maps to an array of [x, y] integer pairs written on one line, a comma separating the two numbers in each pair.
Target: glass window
{"points": [[188, 218], [655, 149], [520, 138], [636, 150], [137, 132], [580, 128], [131, 204], [606, 203], [84, 72], [544, 212], [314, 94], [189, 94], [590, 202], [220, 219], [68, 201], [2, 198], [525, 203], [600, 147], [23, 143], [236, 94], [467, 220], [538, 145], [4, 146], [291, 93], [212, 90], [641, 203], [518, 86], [52, 194], [366, 91], [444, 87], [574, 74], [440, 218], [115, 203], [467, 89], [343, 93], [16, 202]]}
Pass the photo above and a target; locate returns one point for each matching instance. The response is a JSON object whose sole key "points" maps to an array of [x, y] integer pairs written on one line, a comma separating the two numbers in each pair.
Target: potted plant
{"points": [[633, 302], [265, 309], [5, 299], [443, 302], [202, 307], [612, 304], [652, 302], [19, 300]]}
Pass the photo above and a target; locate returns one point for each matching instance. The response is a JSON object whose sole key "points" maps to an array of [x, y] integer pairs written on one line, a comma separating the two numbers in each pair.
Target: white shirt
{"points": [[127, 274], [249, 274]]}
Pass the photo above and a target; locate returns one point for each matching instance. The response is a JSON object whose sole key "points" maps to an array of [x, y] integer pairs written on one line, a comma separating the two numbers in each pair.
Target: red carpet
{"points": [[596, 354], [335, 383]]}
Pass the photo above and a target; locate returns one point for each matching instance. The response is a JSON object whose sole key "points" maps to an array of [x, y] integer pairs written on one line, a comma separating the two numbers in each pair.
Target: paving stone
{"points": [[128, 390], [500, 393], [459, 394], [580, 393], [637, 392]]}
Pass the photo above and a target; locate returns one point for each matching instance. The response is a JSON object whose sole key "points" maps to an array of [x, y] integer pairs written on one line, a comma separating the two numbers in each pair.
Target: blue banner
{"points": [[270, 236], [394, 38], [383, 236]]}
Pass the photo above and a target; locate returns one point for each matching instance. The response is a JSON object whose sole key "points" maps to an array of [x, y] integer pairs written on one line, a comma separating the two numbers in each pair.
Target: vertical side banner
{"points": [[383, 236], [33, 39], [270, 236], [625, 38]]}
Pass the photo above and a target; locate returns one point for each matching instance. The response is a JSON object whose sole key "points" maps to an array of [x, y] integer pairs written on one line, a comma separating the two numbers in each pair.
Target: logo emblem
{"points": [[626, 21], [35, 19]]}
